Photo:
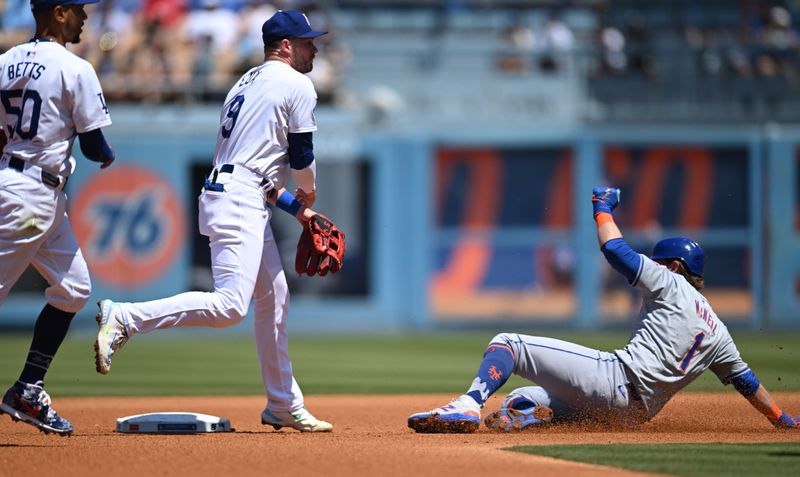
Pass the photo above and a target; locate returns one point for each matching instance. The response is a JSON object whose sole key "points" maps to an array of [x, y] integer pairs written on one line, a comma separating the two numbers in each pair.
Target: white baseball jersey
{"points": [[677, 336], [48, 95], [269, 102]]}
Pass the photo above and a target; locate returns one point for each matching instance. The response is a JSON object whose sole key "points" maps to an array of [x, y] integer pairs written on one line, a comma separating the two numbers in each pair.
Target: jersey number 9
{"points": [[233, 115]]}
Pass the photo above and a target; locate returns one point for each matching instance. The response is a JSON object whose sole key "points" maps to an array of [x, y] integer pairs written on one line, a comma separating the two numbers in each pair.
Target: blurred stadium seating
{"points": [[581, 60], [498, 115]]}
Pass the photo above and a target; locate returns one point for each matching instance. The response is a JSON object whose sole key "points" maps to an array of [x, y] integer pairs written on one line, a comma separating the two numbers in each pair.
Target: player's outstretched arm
{"points": [[619, 255], [757, 395]]}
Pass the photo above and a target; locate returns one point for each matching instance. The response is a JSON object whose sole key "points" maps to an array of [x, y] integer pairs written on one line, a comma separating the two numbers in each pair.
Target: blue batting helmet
{"points": [[681, 248]]}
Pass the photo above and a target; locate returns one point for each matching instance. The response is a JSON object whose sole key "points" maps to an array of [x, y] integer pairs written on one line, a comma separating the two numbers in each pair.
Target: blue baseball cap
{"points": [[45, 4], [287, 24]]}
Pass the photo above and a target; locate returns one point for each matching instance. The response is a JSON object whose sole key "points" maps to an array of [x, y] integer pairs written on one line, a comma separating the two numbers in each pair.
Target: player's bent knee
{"points": [[233, 316], [69, 297], [82, 293], [502, 338], [527, 397], [228, 317], [230, 311]]}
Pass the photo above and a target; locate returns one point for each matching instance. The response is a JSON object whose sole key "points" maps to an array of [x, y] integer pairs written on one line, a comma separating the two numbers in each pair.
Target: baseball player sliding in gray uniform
{"points": [[49, 96], [264, 136], [677, 336]]}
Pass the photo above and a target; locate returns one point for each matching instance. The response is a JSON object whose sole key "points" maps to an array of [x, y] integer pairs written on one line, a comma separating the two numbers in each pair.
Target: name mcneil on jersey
{"points": [[701, 307], [30, 69]]}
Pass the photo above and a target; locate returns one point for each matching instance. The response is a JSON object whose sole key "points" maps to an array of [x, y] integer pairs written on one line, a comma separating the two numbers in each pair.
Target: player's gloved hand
{"points": [[787, 422], [321, 247], [605, 199]]}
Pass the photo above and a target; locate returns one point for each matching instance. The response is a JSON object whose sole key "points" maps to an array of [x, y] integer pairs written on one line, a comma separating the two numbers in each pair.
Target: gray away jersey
{"points": [[677, 336], [48, 95]]}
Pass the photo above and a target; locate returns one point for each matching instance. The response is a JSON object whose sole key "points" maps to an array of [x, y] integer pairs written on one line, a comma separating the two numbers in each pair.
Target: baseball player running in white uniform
{"points": [[49, 96], [265, 133], [676, 337]]}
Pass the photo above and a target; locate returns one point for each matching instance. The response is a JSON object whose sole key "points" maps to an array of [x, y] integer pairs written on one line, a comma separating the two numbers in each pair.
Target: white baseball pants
{"points": [[245, 264], [35, 230]]}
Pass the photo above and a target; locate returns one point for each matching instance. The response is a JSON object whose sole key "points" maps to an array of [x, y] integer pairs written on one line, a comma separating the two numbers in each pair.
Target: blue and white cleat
{"points": [[111, 336], [512, 420], [302, 420], [462, 415], [30, 404]]}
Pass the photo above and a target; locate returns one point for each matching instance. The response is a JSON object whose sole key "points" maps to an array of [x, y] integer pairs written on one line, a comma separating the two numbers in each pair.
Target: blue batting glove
{"points": [[605, 199], [787, 422]]}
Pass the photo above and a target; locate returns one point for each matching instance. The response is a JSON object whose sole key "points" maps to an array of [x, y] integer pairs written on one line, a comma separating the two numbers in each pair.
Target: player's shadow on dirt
{"points": [[21, 445], [783, 454], [287, 432]]}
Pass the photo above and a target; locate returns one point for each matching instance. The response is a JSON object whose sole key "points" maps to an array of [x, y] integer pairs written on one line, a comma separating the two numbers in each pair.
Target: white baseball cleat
{"points": [[462, 415], [302, 420], [111, 336]]}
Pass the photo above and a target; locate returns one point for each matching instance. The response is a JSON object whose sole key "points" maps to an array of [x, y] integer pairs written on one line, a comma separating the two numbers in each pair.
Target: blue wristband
{"points": [[287, 202]]}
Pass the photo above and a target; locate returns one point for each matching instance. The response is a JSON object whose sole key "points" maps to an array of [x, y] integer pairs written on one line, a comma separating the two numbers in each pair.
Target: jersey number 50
{"points": [[27, 96]]}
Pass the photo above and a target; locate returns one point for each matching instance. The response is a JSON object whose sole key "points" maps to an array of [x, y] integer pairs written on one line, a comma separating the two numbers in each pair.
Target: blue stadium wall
{"points": [[465, 229]]}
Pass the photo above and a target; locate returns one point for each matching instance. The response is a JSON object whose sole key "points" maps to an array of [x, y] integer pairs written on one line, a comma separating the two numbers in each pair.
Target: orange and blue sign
{"points": [[131, 225]]}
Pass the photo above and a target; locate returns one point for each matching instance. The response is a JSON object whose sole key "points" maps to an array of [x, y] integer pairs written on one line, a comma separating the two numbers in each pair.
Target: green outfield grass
{"points": [[706, 460], [171, 363]]}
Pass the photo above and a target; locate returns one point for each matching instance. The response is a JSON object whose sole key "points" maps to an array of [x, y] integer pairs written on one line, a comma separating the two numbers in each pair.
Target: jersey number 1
{"points": [[698, 339], [31, 96]]}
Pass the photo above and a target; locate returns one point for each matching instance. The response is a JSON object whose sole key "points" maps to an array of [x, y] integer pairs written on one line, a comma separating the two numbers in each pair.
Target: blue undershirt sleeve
{"points": [[622, 258], [95, 147], [301, 150], [746, 383]]}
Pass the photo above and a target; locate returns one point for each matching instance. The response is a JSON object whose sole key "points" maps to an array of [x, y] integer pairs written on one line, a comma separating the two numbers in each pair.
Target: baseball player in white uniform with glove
{"points": [[48, 97], [677, 336], [264, 137]]}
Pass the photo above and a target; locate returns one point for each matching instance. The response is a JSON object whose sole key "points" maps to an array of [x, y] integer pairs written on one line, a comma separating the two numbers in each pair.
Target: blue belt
{"points": [[47, 178]]}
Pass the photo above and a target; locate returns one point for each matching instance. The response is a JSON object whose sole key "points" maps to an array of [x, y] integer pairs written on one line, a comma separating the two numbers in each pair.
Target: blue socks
{"points": [[495, 369]]}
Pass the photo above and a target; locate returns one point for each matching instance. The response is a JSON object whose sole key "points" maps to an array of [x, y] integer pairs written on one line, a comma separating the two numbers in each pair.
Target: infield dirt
{"points": [[370, 438]]}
